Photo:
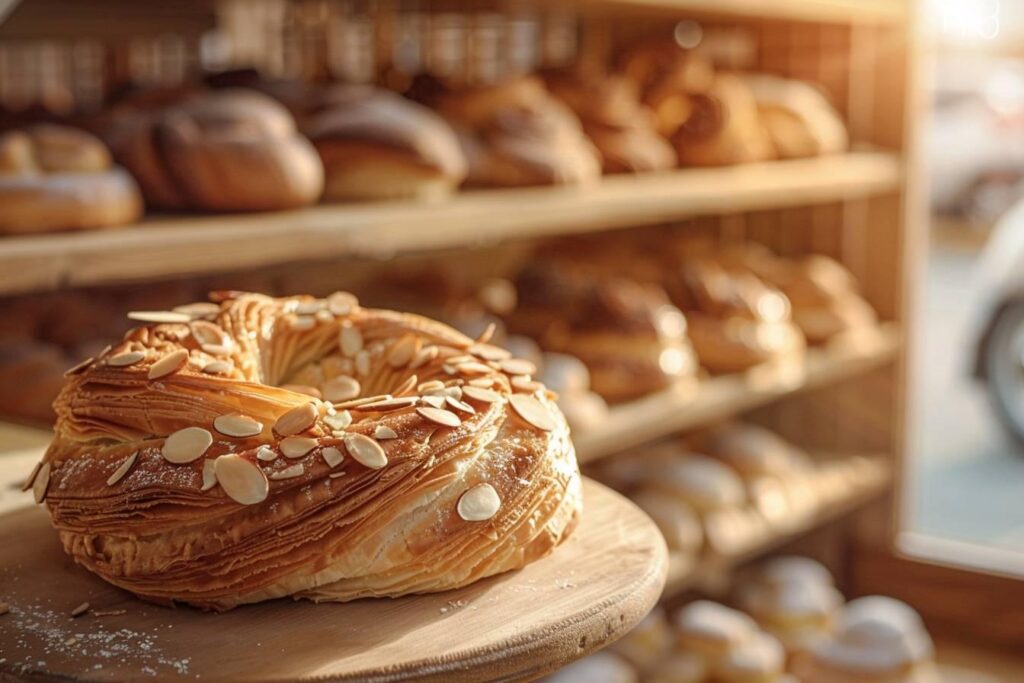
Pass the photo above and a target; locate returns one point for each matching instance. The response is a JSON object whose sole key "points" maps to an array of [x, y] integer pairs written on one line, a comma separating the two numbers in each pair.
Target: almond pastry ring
{"points": [[260, 448]]}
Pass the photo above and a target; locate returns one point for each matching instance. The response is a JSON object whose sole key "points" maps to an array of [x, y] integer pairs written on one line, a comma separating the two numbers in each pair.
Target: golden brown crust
{"points": [[58, 178], [325, 530], [231, 150]]}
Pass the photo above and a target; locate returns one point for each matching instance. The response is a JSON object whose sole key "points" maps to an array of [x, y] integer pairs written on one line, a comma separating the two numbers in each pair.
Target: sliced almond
{"points": [[302, 323], [339, 420], [490, 352], [479, 503], [266, 454], [533, 412], [122, 469], [159, 316], [342, 303], [332, 456], [217, 349], [356, 402], [289, 472], [481, 394], [298, 419], [405, 387], [79, 367], [524, 383], [309, 307], [384, 432], [423, 356], [80, 610], [199, 309], [484, 382], [439, 416], [366, 451], [303, 389], [435, 400], [297, 446], [363, 363], [125, 359], [342, 388], [475, 368], [172, 362], [388, 404], [27, 484], [350, 340], [209, 475], [459, 405], [186, 445], [488, 332], [242, 480], [207, 333], [517, 366], [239, 426], [41, 483], [433, 386], [218, 367], [454, 391], [402, 351]]}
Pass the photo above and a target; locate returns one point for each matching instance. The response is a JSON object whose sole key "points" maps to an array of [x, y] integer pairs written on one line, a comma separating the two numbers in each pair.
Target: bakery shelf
{"points": [[686, 407], [706, 573], [172, 246], [829, 11], [516, 626]]}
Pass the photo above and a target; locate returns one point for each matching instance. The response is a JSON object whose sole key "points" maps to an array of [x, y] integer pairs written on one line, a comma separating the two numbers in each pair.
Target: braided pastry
{"points": [[265, 447]]}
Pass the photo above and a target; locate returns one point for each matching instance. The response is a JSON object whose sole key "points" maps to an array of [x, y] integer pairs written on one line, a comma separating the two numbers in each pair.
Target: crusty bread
{"points": [[59, 178], [375, 144], [191, 464], [798, 118], [231, 150]]}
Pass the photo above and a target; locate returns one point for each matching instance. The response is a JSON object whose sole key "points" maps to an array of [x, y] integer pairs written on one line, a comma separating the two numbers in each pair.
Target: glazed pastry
{"points": [[878, 639], [780, 478], [515, 134], [824, 296], [758, 659], [601, 667], [58, 178], [631, 339], [621, 128], [648, 643], [230, 150], [202, 435], [798, 118], [711, 630], [676, 521], [794, 599], [736, 321], [671, 81], [723, 127], [375, 144]]}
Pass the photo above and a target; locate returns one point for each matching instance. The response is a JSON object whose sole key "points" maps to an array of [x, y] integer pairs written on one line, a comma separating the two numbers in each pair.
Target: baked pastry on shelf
{"points": [[54, 177], [736, 321], [648, 643], [877, 639], [568, 377], [632, 340], [376, 144], [621, 128], [516, 134], [798, 118], [250, 448], [227, 150]]}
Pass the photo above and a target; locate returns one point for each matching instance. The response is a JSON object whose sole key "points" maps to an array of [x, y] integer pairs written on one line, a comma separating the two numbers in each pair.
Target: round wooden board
{"points": [[517, 626]]}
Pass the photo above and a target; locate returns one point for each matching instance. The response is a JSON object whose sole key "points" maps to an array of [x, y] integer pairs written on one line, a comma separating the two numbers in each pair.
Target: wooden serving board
{"points": [[517, 626]]}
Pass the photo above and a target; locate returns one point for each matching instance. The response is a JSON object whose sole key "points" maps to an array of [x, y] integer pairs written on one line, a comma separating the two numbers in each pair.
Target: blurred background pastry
{"points": [[798, 117], [375, 144], [54, 177], [227, 150]]}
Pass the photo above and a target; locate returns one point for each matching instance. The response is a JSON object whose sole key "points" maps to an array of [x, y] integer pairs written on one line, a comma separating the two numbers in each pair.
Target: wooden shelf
{"points": [[686, 407], [828, 11], [172, 246], [706, 573]]}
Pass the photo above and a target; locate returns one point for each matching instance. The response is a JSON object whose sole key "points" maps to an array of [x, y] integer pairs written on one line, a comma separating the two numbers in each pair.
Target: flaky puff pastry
{"points": [[183, 470]]}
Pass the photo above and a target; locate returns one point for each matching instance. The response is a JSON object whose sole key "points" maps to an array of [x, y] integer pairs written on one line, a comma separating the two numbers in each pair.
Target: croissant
{"points": [[260, 448]]}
